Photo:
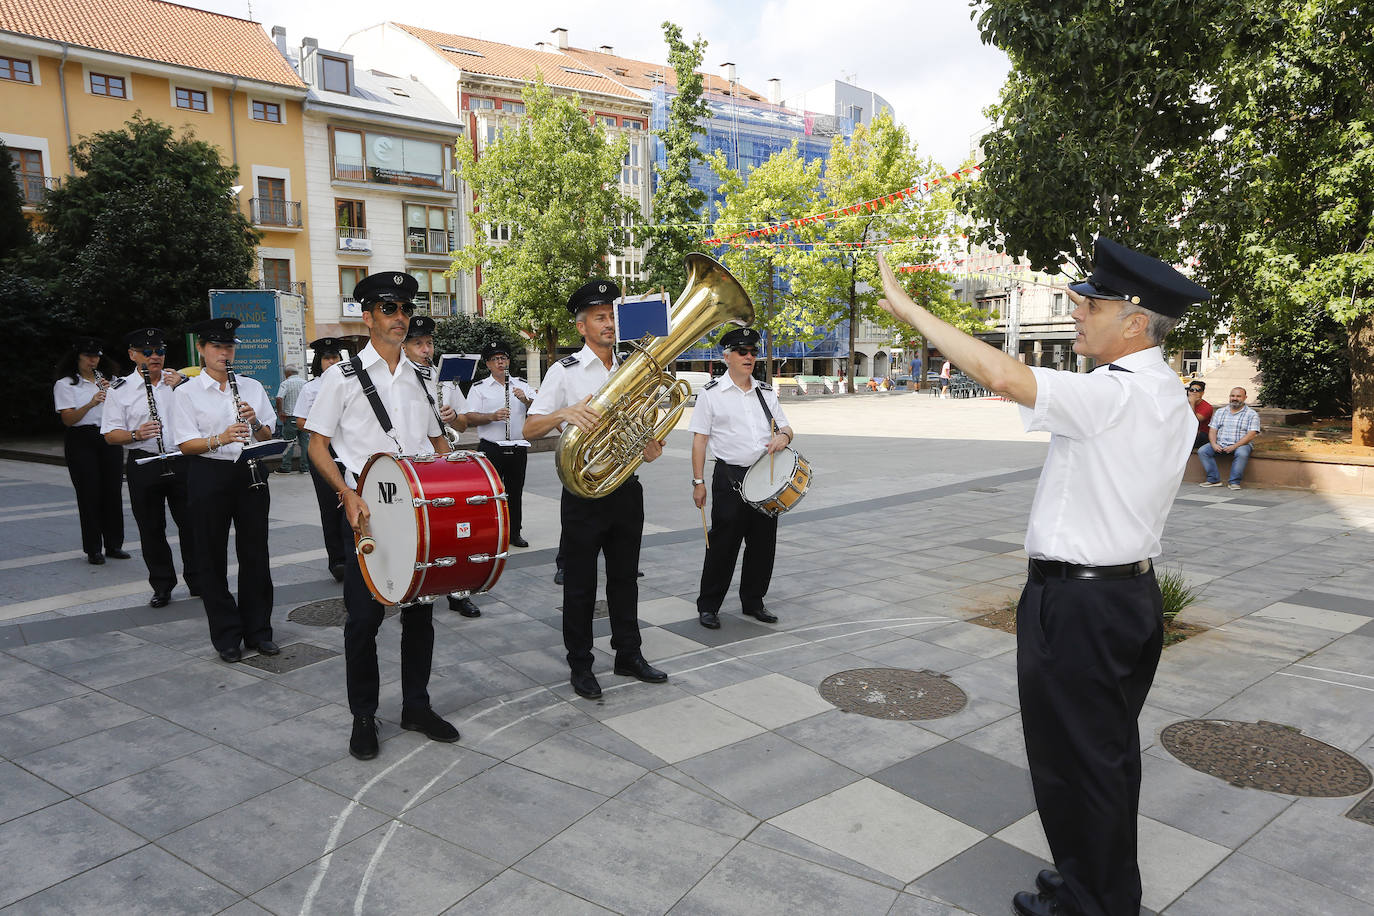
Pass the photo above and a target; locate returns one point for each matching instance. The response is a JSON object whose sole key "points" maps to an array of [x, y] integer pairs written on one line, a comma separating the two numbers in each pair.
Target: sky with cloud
{"points": [[924, 57]]}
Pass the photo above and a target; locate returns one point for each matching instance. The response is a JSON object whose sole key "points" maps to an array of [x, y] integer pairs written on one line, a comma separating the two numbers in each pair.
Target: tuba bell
{"points": [[643, 399]]}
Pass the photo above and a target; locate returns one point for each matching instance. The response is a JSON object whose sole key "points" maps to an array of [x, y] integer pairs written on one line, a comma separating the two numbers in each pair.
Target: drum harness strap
{"points": [[379, 409]]}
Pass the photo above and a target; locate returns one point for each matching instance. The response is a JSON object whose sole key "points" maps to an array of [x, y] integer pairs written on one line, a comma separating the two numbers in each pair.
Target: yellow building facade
{"points": [[71, 69]]}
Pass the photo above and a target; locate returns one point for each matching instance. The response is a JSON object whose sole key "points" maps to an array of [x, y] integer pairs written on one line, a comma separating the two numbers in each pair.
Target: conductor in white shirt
{"points": [[1090, 622]]}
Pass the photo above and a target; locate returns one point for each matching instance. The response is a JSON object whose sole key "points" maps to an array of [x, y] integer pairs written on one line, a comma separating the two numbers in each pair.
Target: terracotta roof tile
{"points": [[157, 31], [638, 74], [492, 58]]}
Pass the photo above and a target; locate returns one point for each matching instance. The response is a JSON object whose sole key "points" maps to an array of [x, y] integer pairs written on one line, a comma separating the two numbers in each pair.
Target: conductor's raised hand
{"points": [[895, 300]]}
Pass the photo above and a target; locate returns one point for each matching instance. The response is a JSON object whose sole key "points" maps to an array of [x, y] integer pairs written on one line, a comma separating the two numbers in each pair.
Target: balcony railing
{"points": [[355, 239], [284, 214], [34, 186], [289, 286]]}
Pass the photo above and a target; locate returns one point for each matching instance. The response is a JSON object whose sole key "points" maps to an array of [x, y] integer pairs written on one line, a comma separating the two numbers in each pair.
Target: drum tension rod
{"points": [[483, 500], [488, 557], [443, 502], [441, 561]]}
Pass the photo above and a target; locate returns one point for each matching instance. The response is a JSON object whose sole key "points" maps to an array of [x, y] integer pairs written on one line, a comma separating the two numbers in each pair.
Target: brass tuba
{"points": [[643, 399]]}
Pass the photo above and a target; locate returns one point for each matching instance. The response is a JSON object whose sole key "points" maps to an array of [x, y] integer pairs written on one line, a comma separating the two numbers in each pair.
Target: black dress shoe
{"points": [[267, 647], [427, 722], [95, 559], [160, 599], [584, 683], [337, 571], [558, 577], [638, 667], [1027, 904], [709, 619], [762, 615], [363, 743], [117, 554], [464, 606], [231, 655], [518, 541], [1048, 882]]}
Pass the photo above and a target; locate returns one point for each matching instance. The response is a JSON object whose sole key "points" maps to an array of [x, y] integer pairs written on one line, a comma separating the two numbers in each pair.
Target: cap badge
{"points": [[398, 279], [601, 288]]}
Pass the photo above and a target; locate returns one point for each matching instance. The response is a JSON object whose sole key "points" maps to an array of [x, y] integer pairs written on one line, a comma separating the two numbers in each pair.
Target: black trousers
{"points": [[509, 461], [95, 468], [611, 526], [331, 518], [734, 521], [151, 496], [219, 494], [365, 615], [1086, 652]]}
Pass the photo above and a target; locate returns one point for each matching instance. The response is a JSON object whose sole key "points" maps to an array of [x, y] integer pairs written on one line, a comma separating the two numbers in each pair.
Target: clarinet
{"points": [[256, 479], [152, 415], [101, 381], [507, 405]]}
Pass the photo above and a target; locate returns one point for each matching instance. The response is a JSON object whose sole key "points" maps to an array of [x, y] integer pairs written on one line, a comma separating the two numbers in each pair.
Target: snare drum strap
{"points": [[373, 398], [772, 424]]}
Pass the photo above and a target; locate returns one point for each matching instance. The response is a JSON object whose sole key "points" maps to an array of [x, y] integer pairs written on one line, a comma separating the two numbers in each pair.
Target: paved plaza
{"points": [[140, 774]]}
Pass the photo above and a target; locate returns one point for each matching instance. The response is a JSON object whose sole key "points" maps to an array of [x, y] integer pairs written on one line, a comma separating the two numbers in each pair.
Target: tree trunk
{"points": [[1361, 332], [767, 319], [853, 331], [550, 347]]}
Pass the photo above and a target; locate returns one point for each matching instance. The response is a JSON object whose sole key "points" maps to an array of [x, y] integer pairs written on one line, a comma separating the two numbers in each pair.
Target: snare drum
{"points": [[774, 491], [439, 524]]}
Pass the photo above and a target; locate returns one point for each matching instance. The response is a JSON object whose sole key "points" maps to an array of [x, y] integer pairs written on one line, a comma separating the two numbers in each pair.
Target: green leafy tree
{"points": [[15, 234], [146, 229], [879, 159], [470, 333], [783, 188], [551, 180], [677, 204]]}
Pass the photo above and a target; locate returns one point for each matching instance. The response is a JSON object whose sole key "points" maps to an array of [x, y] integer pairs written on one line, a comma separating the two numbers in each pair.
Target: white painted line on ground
{"points": [[1323, 680], [9, 510], [1336, 671]]}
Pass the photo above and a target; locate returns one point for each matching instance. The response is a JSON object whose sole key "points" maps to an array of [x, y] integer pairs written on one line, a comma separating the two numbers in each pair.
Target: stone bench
{"points": [[1294, 473]]}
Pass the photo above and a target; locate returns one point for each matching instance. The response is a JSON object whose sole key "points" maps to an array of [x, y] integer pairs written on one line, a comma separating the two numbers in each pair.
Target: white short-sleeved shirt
{"points": [[65, 396], [734, 419], [126, 408], [200, 409], [487, 396], [568, 381], [306, 398], [1120, 440], [343, 413]]}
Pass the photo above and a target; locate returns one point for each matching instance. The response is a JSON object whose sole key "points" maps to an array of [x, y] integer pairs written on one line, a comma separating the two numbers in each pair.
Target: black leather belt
{"points": [[1046, 569]]}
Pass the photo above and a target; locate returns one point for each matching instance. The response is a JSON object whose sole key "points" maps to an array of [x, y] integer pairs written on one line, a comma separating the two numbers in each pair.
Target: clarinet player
{"points": [[94, 464], [216, 414], [134, 414]]}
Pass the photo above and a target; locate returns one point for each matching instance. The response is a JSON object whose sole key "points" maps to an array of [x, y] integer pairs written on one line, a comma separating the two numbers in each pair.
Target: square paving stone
{"points": [[266, 838], [644, 863], [66, 720], [861, 743], [734, 628], [528, 807], [767, 774], [754, 879], [95, 760], [182, 791], [983, 879], [662, 611], [391, 869], [169, 690], [672, 799], [259, 705], [125, 665], [144, 881], [416, 763], [684, 728], [25, 686], [790, 844], [882, 828], [570, 760], [772, 701], [514, 894], [1318, 618], [1319, 847], [1205, 806], [61, 654], [21, 792], [72, 838], [964, 783], [1244, 885], [660, 645], [303, 744]]}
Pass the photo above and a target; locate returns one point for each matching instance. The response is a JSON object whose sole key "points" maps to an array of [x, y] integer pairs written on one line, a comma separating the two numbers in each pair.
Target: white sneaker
{"points": [[1234, 486], [1210, 483]]}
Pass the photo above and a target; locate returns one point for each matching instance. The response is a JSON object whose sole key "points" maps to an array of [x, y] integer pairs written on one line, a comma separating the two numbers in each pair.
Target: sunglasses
{"points": [[746, 351], [389, 308], [1194, 389], [154, 351]]}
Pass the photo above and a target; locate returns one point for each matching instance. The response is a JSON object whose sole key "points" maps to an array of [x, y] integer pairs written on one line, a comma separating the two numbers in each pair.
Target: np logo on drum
{"points": [[386, 492]]}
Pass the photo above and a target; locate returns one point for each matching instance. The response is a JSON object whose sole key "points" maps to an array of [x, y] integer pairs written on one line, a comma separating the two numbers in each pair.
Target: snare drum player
{"points": [[611, 525], [1090, 622], [153, 491], [358, 400], [741, 420], [212, 419]]}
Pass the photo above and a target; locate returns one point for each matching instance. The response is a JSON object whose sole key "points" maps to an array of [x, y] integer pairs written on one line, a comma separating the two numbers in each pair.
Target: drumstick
{"points": [[706, 534], [772, 455]]}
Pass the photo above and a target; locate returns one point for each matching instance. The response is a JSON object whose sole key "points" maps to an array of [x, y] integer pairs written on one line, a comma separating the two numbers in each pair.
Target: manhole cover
{"points": [[327, 613], [1363, 811], [1266, 755], [296, 655], [600, 610], [893, 693]]}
